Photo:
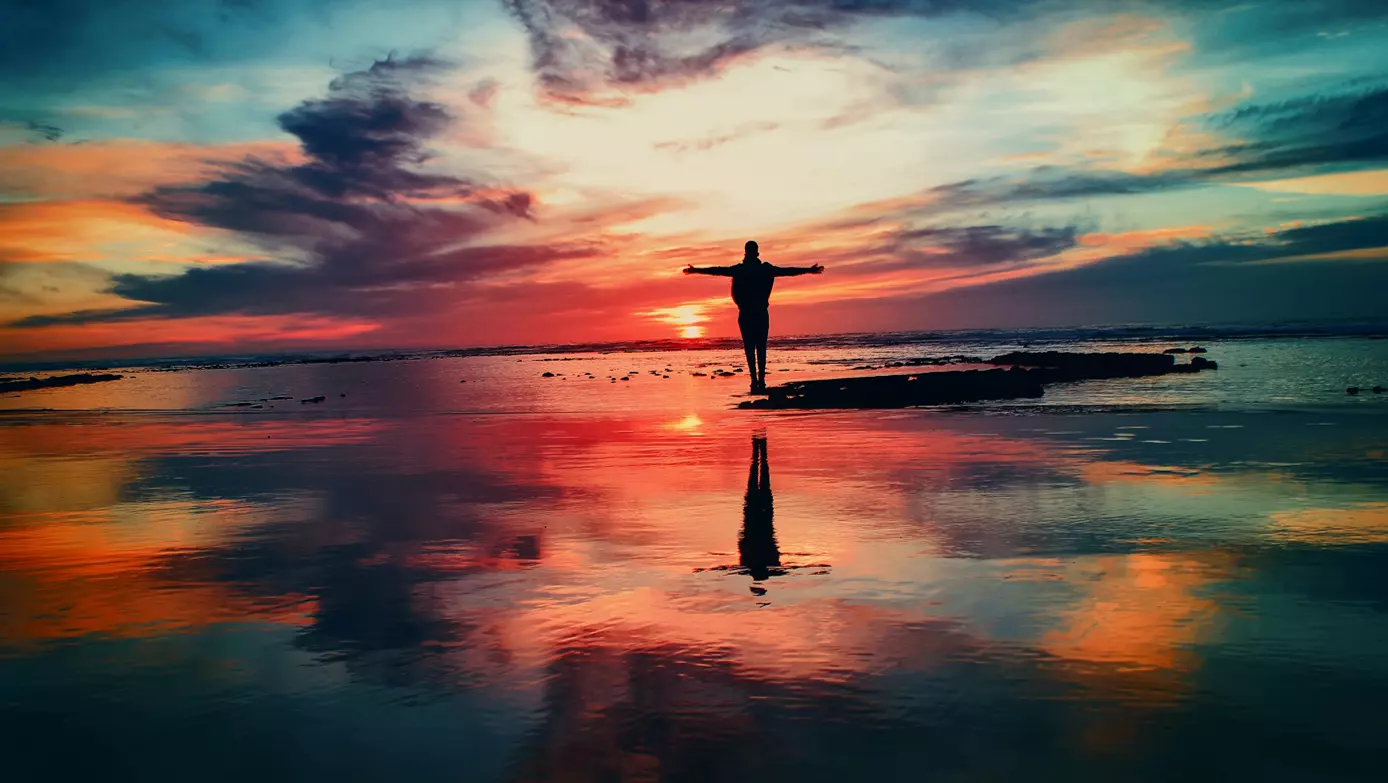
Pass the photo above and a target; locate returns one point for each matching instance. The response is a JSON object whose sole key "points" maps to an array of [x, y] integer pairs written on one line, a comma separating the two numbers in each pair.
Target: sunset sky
{"points": [[221, 176]]}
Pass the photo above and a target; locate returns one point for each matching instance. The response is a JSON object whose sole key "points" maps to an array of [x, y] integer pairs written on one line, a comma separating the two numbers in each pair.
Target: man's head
{"points": [[750, 250]]}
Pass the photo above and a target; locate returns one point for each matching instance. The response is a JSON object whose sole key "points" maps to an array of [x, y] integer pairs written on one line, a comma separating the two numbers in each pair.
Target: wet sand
{"points": [[660, 587]]}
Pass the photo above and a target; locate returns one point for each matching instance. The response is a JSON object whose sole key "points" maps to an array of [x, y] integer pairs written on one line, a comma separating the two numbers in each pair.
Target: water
{"points": [[527, 578], [1256, 373]]}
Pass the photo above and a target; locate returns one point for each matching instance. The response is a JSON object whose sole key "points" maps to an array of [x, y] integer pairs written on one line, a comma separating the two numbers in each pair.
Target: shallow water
{"points": [[1254, 374], [629, 581]]}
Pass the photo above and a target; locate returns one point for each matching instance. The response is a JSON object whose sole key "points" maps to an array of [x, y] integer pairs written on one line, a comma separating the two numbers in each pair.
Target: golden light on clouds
{"points": [[687, 319]]}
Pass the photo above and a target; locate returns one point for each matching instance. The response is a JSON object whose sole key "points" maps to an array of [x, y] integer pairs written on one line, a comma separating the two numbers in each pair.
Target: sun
{"points": [[686, 319]]}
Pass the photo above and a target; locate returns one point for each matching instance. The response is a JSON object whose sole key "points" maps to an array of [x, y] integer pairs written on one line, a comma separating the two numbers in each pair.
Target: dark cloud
{"points": [[361, 230], [1302, 241], [1238, 278], [35, 130], [1308, 135], [1338, 129], [1045, 183], [45, 131], [983, 245], [588, 51], [594, 51]]}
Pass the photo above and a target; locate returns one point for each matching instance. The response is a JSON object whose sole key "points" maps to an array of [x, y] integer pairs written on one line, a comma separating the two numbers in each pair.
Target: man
{"points": [[752, 281]]}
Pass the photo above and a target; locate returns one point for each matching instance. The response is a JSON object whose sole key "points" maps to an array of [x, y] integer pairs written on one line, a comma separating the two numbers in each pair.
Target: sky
{"points": [[228, 176]]}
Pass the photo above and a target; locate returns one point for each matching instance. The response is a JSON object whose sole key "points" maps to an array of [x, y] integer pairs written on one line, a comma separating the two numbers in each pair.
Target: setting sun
{"points": [[687, 317]]}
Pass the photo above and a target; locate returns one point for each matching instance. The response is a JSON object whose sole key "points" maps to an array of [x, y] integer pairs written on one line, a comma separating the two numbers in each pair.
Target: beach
{"points": [[459, 567]]}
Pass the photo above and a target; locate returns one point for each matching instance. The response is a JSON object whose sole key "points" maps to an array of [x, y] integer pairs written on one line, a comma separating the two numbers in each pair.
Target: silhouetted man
{"points": [[752, 281]]}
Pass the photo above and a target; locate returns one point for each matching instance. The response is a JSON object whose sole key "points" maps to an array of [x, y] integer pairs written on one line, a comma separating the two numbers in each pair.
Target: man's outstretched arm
{"points": [[718, 271], [792, 271]]}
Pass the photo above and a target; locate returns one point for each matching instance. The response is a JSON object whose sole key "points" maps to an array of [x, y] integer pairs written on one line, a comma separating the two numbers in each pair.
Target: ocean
{"points": [[453, 567]]}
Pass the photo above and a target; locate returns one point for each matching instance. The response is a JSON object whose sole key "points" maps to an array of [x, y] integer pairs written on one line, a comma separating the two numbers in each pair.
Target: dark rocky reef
{"points": [[1026, 378], [1063, 366], [902, 391], [29, 384]]}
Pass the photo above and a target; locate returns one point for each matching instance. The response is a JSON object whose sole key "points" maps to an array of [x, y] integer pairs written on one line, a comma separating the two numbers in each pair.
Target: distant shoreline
{"points": [[1023, 337]]}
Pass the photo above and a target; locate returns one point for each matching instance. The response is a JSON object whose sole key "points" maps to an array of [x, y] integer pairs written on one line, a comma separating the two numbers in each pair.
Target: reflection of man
{"points": [[756, 544]]}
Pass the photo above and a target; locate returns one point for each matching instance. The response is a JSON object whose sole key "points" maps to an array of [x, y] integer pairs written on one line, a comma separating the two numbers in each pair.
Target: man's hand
{"points": [[816, 269], [689, 270]]}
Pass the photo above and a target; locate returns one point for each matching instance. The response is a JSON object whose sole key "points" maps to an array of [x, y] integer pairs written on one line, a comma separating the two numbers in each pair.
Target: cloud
{"points": [[45, 131], [1335, 129], [356, 227], [598, 51], [985, 245], [1331, 270], [1291, 138], [719, 139], [592, 51], [1297, 243]]}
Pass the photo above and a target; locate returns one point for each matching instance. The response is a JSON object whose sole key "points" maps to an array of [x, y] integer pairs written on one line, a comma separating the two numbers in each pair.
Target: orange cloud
{"points": [[222, 330], [118, 168], [1350, 183], [91, 231]]}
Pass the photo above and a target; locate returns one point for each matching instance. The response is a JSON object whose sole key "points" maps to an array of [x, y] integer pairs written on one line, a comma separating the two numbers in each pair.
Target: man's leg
{"points": [[747, 325], [764, 328]]}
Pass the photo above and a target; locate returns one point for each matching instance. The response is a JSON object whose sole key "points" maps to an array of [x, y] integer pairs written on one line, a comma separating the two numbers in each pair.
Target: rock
{"points": [[546, 375], [463, 381], [1352, 390], [56, 381], [1174, 350], [1201, 363], [1378, 390], [319, 398], [900, 391], [1026, 378], [1198, 349], [1065, 366], [699, 374], [344, 394]]}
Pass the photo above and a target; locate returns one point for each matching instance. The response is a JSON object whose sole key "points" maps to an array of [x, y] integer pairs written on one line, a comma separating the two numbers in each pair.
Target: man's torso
{"points": [[752, 285]]}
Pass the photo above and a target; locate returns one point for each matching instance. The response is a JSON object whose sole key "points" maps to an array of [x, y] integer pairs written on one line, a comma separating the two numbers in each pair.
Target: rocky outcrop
{"points": [[29, 384], [1065, 366], [902, 391], [1026, 376]]}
